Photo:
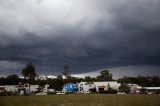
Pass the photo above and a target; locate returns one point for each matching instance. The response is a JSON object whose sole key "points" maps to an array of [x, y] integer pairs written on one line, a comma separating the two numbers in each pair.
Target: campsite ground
{"points": [[81, 100]]}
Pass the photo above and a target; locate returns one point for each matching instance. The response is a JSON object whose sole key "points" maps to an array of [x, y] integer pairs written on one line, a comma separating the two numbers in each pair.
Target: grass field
{"points": [[81, 100]]}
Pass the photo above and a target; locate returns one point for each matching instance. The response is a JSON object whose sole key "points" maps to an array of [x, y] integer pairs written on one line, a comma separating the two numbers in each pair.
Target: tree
{"points": [[104, 76], [14, 76], [66, 71], [88, 79], [13, 79], [41, 84], [59, 77], [25, 73], [29, 72], [59, 82], [124, 88]]}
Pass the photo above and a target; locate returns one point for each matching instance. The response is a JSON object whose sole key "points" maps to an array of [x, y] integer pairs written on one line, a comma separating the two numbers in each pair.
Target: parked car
{"points": [[121, 93], [87, 92], [41, 93], [60, 93], [150, 93]]}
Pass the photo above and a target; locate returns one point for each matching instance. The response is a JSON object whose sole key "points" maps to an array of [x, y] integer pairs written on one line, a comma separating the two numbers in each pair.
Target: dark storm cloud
{"points": [[87, 35]]}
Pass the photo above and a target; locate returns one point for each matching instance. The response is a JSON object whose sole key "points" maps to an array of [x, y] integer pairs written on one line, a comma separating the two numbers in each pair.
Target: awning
{"points": [[101, 86]]}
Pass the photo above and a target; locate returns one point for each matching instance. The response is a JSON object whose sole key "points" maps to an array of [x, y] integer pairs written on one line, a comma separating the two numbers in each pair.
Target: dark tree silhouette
{"points": [[13, 79], [104, 76], [29, 71], [66, 71]]}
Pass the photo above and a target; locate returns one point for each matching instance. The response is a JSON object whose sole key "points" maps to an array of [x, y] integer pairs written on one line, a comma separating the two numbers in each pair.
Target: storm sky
{"points": [[85, 34]]}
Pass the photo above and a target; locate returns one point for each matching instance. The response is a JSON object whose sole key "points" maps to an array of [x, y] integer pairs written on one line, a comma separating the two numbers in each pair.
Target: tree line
{"points": [[144, 81], [29, 74]]}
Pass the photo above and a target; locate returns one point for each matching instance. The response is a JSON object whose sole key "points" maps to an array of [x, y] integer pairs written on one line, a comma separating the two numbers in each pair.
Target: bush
{"points": [[109, 91], [6, 93], [69, 92], [51, 93]]}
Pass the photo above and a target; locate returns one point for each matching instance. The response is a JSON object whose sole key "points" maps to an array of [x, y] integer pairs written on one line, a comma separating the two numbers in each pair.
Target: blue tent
{"points": [[70, 87]]}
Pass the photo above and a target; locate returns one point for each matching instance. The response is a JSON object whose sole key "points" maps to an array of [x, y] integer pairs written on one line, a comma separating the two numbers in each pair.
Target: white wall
{"points": [[33, 88], [11, 88]]}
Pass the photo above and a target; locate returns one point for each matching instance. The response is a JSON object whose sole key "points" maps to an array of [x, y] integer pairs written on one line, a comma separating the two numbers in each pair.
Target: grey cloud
{"points": [[88, 35], [8, 67]]}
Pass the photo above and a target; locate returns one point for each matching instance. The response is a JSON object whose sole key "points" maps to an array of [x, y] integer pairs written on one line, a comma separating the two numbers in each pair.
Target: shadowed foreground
{"points": [[81, 100]]}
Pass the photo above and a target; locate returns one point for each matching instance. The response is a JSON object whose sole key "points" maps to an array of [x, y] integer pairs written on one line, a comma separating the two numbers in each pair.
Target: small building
{"points": [[97, 86], [136, 89], [104, 86], [152, 90], [22, 89]]}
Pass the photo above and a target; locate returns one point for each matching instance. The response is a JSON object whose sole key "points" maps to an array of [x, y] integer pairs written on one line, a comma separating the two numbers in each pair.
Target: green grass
{"points": [[81, 100]]}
